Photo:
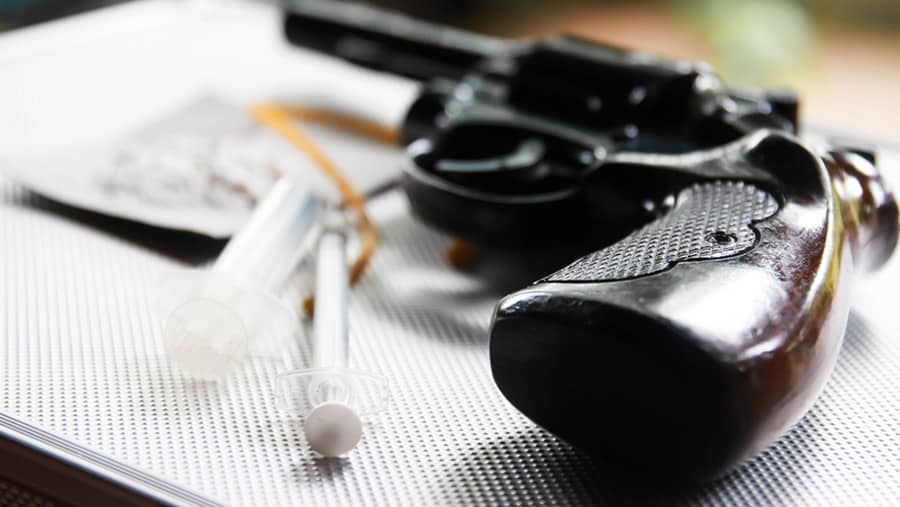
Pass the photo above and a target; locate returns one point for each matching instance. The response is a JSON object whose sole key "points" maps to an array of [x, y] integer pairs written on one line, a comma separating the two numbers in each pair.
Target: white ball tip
{"points": [[332, 429]]}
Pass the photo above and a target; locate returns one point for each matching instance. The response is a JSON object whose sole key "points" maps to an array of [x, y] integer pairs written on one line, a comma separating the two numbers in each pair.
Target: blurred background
{"points": [[842, 56]]}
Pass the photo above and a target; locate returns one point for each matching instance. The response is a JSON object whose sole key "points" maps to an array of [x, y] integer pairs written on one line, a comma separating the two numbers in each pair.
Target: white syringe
{"points": [[329, 396], [213, 317]]}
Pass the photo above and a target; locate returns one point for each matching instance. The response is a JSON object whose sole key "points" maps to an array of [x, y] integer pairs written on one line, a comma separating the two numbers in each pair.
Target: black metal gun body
{"points": [[710, 314], [512, 130]]}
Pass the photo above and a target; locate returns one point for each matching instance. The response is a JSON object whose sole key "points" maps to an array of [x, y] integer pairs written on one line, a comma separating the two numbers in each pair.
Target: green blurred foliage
{"points": [[765, 42], [756, 42]]}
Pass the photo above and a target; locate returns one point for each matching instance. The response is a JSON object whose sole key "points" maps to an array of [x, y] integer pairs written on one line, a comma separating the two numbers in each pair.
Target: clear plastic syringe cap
{"points": [[212, 323], [205, 337], [213, 318]]}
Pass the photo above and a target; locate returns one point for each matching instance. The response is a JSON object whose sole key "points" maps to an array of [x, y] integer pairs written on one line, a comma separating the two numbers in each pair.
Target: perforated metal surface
{"points": [[81, 354], [708, 221]]}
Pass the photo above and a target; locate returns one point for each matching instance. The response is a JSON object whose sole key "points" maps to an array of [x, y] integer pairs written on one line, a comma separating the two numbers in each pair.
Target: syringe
{"points": [[213, 317], [330, 396]]}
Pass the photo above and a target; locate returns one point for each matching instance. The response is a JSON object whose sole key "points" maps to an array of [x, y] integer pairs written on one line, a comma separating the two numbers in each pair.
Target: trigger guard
{"points": [[488, 218], [527, 155], [415, 171]]}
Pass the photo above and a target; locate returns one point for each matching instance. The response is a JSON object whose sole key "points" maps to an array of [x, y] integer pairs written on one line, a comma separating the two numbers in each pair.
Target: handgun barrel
{"points": [[386, 41]]}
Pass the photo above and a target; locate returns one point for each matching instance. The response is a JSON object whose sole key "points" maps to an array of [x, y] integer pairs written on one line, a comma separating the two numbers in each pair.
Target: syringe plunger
{"points": [[329, 395]]}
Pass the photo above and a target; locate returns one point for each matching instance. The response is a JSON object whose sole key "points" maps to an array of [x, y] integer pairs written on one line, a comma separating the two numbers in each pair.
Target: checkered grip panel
{"points": [[709, 220]]}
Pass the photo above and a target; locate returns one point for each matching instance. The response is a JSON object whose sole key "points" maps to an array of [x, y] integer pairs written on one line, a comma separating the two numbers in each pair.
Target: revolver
{"points": [[711, 303]]}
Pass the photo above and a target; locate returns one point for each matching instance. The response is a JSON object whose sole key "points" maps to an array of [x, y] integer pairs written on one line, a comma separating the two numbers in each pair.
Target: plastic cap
{"points": [[204, 337], [212, 323]]}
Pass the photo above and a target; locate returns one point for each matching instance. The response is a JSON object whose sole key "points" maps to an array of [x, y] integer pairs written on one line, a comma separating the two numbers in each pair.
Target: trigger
{"points": [[527, 154]]}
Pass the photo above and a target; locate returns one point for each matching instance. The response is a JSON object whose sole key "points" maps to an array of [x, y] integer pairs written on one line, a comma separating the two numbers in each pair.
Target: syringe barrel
{"points": [[265, 251], [212, 319], [330, 332]]}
